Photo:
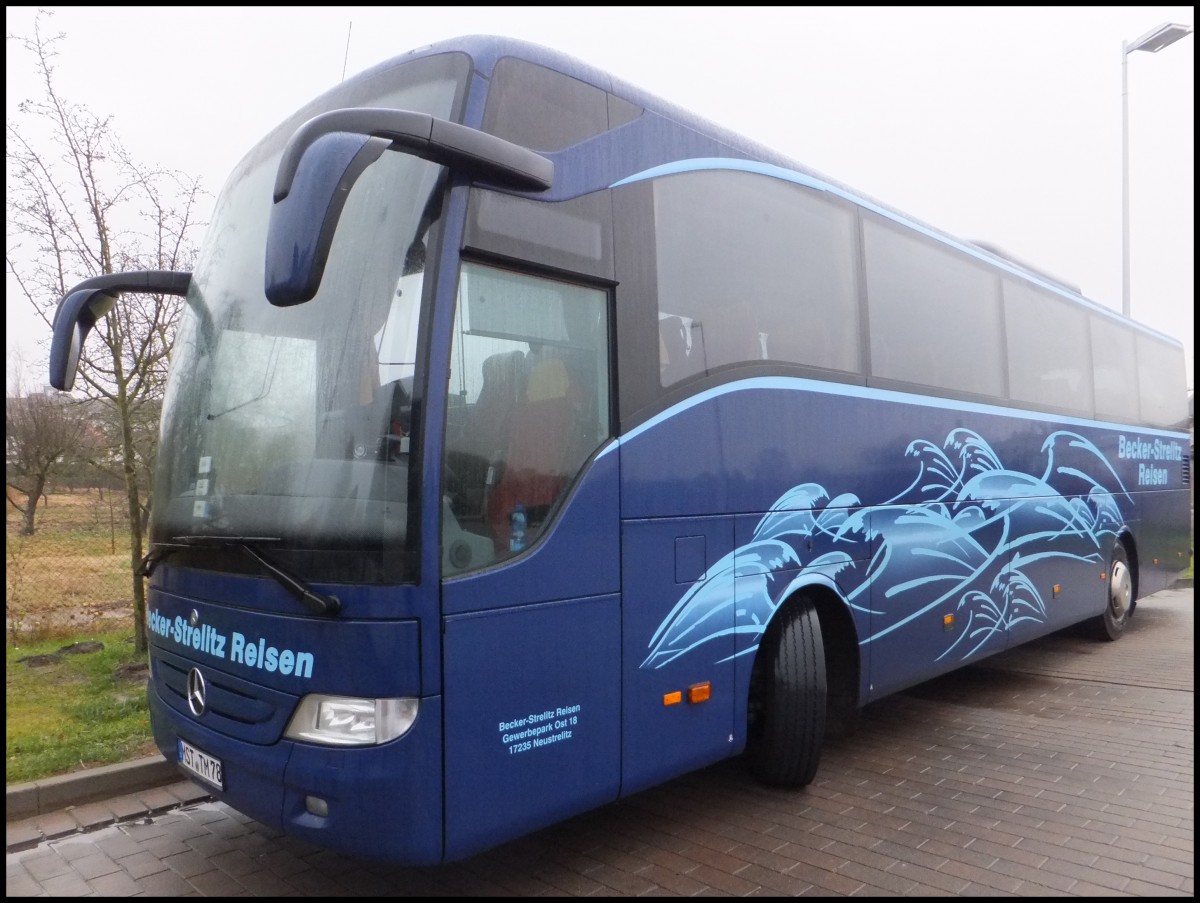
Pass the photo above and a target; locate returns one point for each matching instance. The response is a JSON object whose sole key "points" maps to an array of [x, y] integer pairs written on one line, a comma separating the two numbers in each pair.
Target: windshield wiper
{"points": [[316, 602], [158, 551]]}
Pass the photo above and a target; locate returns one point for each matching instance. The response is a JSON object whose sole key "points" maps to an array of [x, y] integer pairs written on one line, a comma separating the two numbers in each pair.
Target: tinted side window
{"points": [[752, 268], [546, 110], [574, 236], [1049, 352], [935, 316], [1161, 383], [1112, 357], [528, 403]]}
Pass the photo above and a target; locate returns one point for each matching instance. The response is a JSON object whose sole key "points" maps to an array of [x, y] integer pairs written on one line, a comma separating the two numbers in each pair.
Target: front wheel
{"points": [[1119, 606], [788, 698]]}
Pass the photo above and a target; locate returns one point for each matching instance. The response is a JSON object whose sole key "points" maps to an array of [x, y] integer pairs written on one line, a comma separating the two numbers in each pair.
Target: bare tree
{"points": [[43, 435], [77, 206]]}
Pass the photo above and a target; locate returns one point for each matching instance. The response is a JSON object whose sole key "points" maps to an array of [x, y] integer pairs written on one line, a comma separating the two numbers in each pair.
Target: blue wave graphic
{"points": [[964, 533]]}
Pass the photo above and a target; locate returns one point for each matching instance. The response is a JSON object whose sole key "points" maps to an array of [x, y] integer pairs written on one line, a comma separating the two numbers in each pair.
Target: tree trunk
{"points": [[133, 493], [29, 512]]}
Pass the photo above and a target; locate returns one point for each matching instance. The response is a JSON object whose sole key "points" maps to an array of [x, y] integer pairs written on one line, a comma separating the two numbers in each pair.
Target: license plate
{"points": [[202, 765]]}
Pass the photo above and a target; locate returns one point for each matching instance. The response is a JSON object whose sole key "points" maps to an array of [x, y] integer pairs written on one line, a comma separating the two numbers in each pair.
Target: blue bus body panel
{"points": [[532, 676], [950, 529], [383, 801], [292, 654], [533, 710], [1162, 554], [661, 560]]}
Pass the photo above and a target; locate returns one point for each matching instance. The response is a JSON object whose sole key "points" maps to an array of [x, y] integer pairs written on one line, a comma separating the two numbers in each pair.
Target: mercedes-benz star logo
{"points": [[197, 692]]}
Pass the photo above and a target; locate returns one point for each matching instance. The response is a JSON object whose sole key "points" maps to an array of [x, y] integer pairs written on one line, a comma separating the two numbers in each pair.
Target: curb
{"points": [[77, 788]]}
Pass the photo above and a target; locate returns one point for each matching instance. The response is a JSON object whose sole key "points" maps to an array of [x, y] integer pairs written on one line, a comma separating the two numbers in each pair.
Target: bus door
{"points": [[530, 559]]}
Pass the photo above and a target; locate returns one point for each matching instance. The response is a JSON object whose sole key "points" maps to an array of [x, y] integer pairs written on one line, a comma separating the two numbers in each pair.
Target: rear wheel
{"points": [[1119, 607], [788, 692]]}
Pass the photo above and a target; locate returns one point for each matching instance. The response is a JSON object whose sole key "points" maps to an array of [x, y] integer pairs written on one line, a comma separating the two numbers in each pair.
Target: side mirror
{"points": [[325, 157], [90, 300], [304, 218]]}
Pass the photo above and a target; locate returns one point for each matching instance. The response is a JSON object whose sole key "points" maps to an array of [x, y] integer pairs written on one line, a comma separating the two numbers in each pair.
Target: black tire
{"points": [[1118, 606], [788, 698]]}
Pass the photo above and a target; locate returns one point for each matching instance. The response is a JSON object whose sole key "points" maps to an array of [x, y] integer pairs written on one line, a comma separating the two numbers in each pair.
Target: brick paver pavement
{"points": [[1063, 767]]}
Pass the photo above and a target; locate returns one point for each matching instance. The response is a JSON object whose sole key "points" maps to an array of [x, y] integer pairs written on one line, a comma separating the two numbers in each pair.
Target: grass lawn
{"points": [[68, 710]]}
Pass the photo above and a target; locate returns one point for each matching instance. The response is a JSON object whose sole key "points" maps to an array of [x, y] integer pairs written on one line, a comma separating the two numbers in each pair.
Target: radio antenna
{"points": [[346, 59]]}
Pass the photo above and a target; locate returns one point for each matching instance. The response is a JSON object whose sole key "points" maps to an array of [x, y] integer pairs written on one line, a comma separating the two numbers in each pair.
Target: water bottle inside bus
{"points": [[517, 542]]}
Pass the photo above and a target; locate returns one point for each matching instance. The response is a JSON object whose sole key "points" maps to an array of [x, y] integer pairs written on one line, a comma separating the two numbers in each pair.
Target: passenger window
{"points": [[934, 312], [752, 268], [1112, 350], [528, 404], [1048, 351]]}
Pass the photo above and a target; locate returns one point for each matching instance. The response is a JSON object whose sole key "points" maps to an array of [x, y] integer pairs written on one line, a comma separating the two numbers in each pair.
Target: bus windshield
{"points": [[292, 425]]}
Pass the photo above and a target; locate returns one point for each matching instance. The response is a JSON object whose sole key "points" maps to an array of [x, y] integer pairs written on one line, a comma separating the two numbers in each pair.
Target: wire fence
{"points": [[73, 572]]}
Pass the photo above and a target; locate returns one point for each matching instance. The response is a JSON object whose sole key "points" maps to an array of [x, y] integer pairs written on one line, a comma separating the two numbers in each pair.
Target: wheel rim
{"points": [[1120, 590]]}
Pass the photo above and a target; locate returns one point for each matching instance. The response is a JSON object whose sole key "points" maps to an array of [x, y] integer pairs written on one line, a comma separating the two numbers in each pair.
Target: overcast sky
{"points": [[1000, 124]]}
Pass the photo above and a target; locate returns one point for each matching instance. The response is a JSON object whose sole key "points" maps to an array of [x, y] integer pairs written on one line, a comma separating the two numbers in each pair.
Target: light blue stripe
{"points": [[796, 384]]}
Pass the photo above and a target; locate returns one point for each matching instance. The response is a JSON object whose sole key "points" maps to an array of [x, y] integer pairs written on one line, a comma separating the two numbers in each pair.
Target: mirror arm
{"points": [[83, 306]]}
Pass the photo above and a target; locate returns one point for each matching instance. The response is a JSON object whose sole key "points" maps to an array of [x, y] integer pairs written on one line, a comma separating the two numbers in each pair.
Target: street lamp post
{"points": [[1152, 42]]}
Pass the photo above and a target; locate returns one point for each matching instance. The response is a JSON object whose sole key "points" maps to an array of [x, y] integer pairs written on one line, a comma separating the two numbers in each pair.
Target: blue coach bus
{"points": [[530, 442]]}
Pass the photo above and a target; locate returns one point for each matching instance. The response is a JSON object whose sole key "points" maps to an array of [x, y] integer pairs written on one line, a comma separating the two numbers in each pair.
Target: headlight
{"points": [[347, 721]]}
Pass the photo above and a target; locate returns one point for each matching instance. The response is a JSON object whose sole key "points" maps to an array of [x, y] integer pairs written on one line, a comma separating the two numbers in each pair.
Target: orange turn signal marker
{"points": [[673, 698], [699, 692]]}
